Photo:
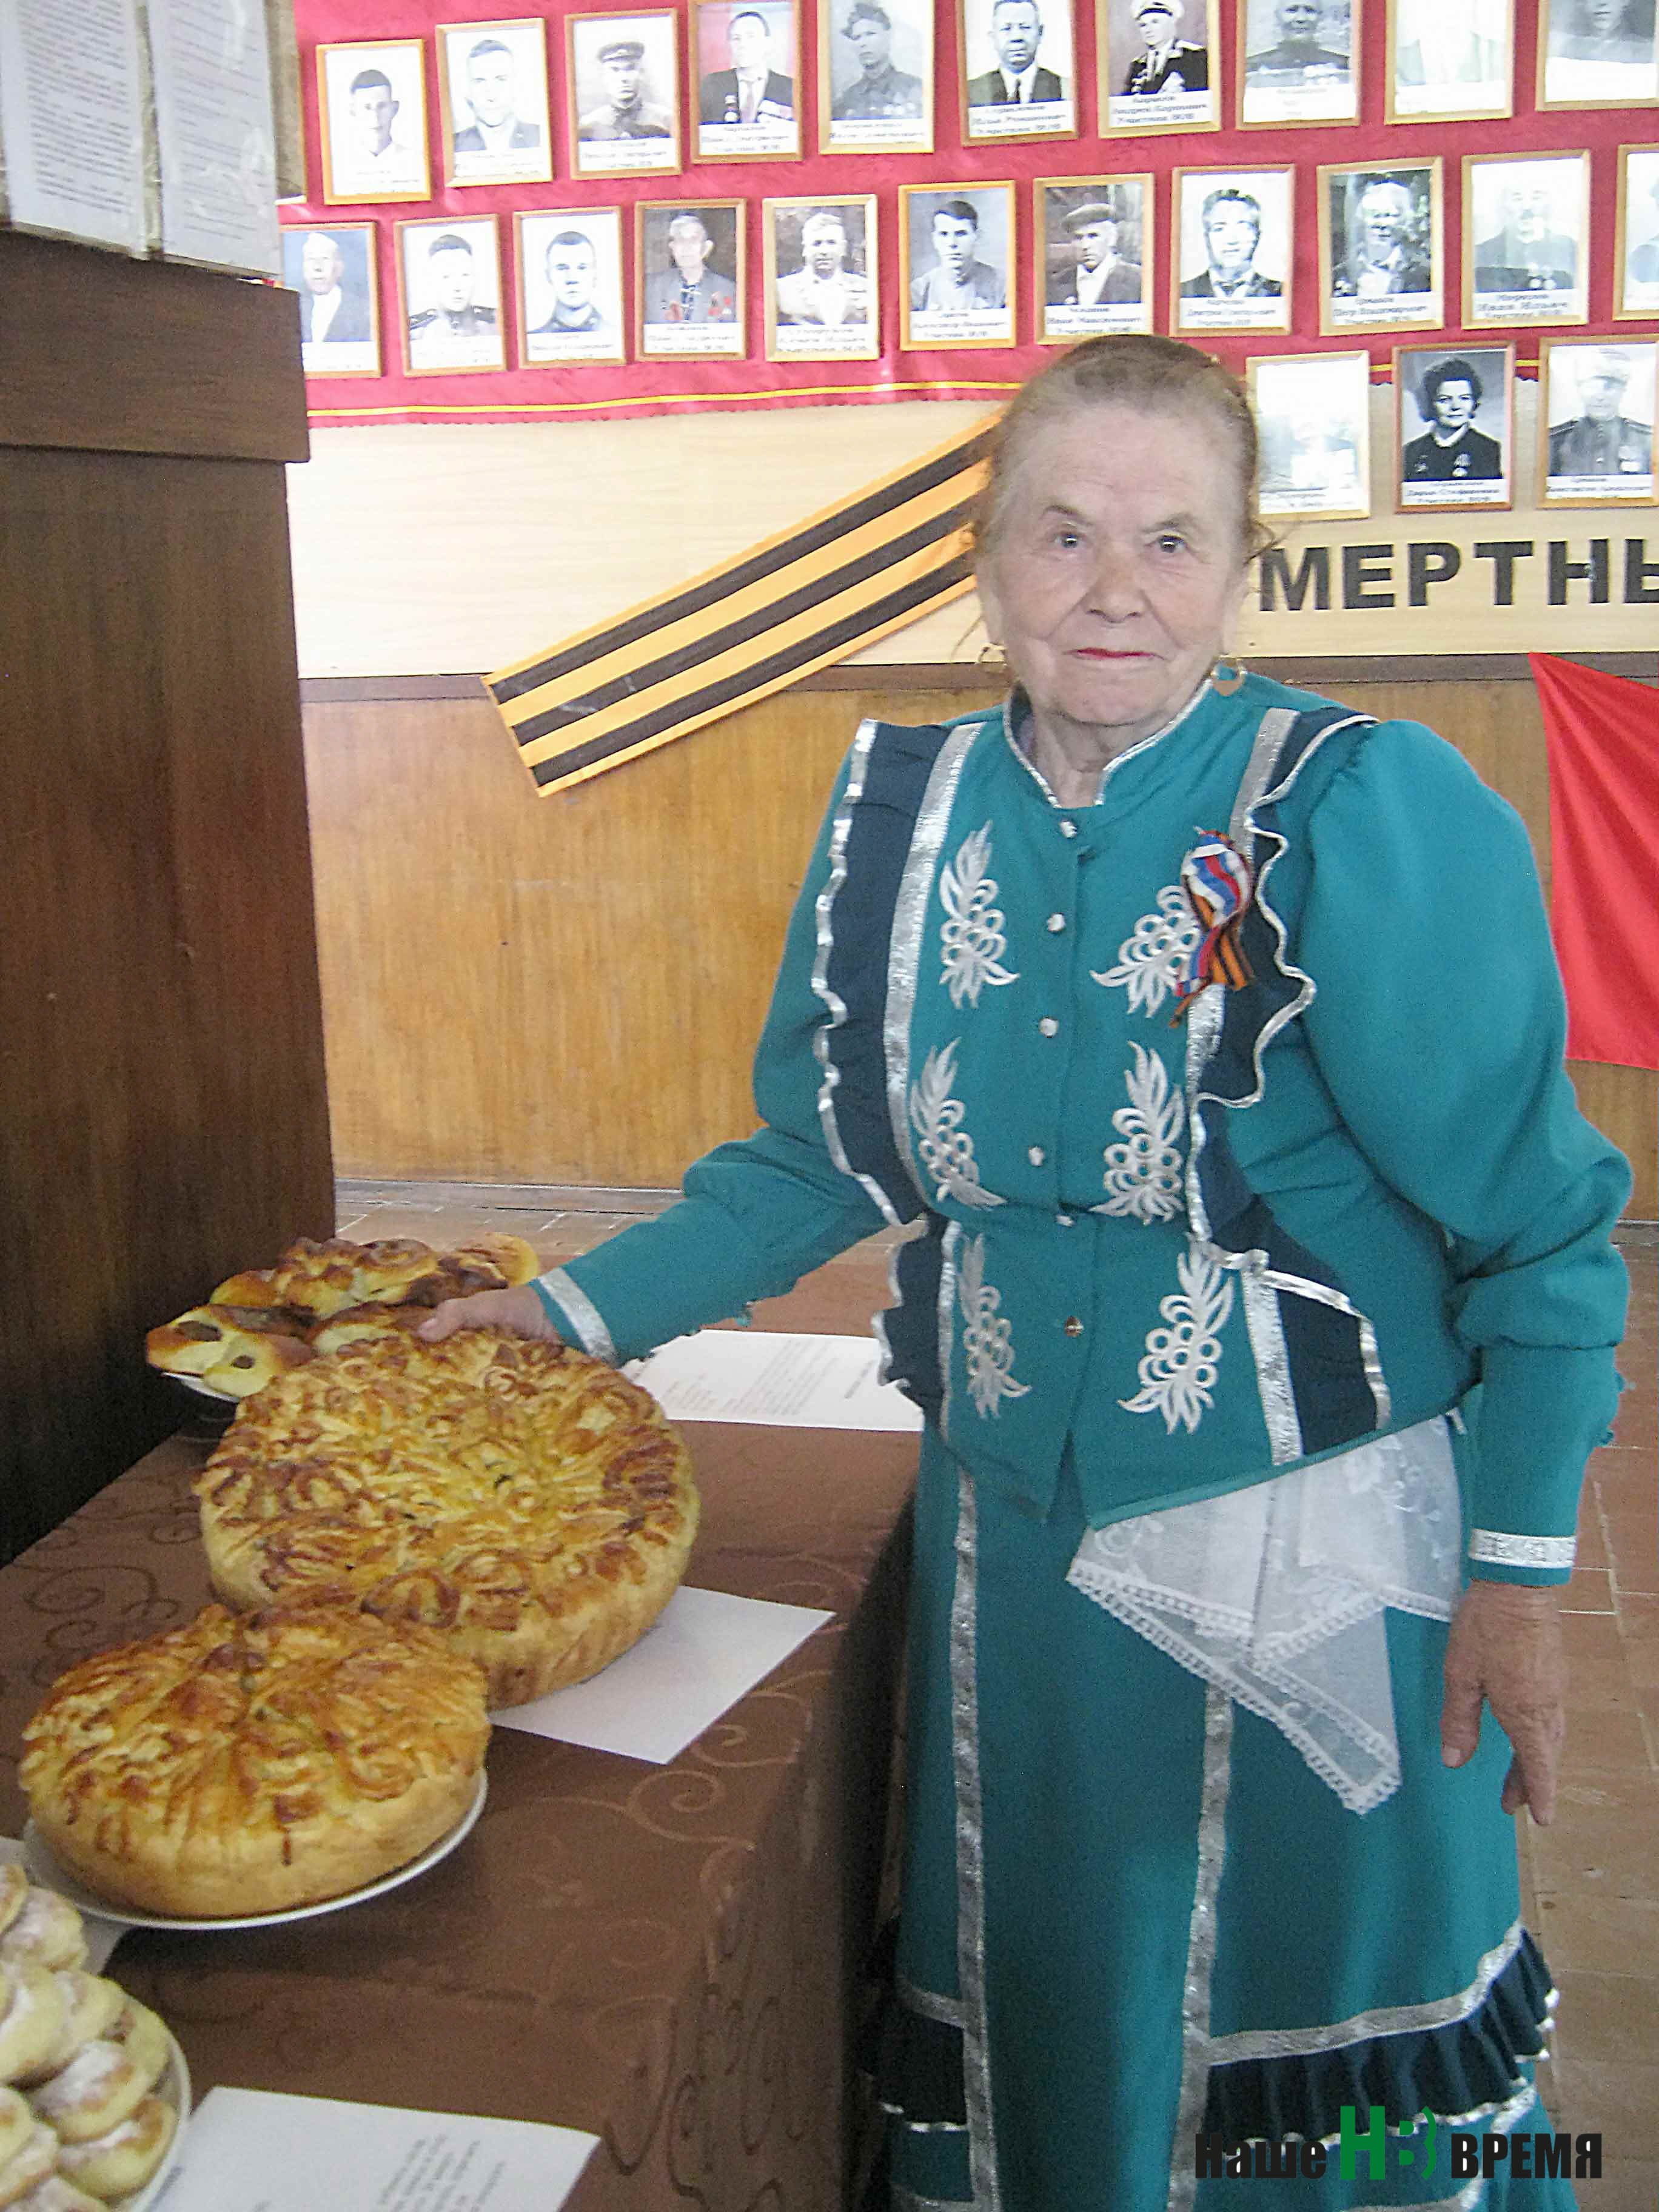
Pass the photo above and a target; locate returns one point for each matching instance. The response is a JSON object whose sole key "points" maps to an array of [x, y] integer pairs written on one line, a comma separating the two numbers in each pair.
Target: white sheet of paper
{"points": [[71, 119], [249, 2150], [102, 1936], [781, 1381], [705, 1651], [217, 139]]}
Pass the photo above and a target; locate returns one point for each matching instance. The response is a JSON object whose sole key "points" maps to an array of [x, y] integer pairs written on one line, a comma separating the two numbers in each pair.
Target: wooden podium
{"points": [[163, 1111]]}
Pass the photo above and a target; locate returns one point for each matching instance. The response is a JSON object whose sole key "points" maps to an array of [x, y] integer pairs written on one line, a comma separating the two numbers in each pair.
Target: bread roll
{"points": [[93, 2007], [30, 2165], [117, 2164], [253, 1287], [94, 2093], [47, 1932], [359, 1324], [517, 1261], [54, 2194], [33, 2012]]}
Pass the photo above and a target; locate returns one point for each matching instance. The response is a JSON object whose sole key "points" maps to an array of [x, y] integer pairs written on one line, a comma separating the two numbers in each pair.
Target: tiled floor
{"points": [[1590, 1881]]}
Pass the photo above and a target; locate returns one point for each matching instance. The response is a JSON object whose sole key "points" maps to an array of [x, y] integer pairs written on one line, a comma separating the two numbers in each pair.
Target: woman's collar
{"points": [[1018, 731]]}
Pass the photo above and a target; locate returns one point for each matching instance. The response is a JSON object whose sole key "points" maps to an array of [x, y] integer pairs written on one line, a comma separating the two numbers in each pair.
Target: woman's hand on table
{"points": [[519, 1310], [1505, 1648]]}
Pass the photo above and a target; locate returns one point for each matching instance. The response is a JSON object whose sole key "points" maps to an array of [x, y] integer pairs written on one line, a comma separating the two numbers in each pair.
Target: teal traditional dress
{"points": [[1263, 1289]]}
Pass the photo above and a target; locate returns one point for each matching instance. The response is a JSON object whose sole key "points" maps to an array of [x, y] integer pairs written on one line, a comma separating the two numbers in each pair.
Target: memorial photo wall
{"points": [[579, 211]]}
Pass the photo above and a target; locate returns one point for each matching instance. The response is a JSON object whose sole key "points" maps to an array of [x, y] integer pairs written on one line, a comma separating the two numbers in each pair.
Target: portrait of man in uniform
{"points": [[571, 266], [752, 90], [823, 290], [1299, 62], [957, 242], [822, 299], [1528, 219], [875, 75], [1599, 440], [691, 291], [1380, 229], [1160, 65], [1452, 461], [1451, 57], [622, 73], [1168, 62], [373, 118], [628, 110], [881, 90], [493, 77], [451, 276]]}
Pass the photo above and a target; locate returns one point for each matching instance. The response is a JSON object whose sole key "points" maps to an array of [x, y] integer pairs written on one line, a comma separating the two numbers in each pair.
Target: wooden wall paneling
{"points": [[162, 1109], [603, 959]]}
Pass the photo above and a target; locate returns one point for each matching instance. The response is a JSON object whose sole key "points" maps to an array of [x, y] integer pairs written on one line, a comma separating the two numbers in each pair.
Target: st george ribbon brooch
{"points": [[1220, 886]]}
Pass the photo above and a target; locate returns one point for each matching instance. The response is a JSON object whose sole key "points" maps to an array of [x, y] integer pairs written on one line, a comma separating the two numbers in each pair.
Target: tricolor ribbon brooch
{"points": [[1220, 886]]}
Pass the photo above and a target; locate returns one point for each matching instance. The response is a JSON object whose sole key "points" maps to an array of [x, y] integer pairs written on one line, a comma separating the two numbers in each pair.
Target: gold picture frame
{"points": [[1063, 203], [1311, 95], [430, 349], [1570, 76], [685, 331], [628, 134], [526, 40], [1636, 269], [844, 323], [1437, 476], [1578, 453], [358, 279], [1491, 65], [352, 174], [902, 55], [545, 264], [1355, 253], [1526, 271], [774, 133], [1118, 48], [1304, 404], [1262, 304], [989, 116], [970, 327]]}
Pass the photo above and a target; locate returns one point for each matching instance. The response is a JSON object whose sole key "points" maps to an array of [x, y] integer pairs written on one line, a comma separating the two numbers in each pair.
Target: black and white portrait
{"points": [[1018, 71], [372, 96], [689, 272], [1301, 61], [1095, 236], [1637, 287], [957, 244], [1454, 424], [875, 76], [1597, 434], [1526, 238], [823, 289], [1450, 58], [746, 63], [1232, 259], [492, 85], [1160, 65], [1313, 411], [623, 75], [1380, 260], [333, 272], [449, 275], [570, 294], [1597, 53]]}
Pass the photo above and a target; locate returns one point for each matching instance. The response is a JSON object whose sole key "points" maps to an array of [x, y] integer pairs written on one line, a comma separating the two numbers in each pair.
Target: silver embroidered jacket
{"points": [[1193, 1248]]}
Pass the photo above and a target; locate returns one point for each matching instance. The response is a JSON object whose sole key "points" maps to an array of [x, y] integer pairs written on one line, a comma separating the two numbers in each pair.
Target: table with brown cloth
{"points": [[668, 1957]]}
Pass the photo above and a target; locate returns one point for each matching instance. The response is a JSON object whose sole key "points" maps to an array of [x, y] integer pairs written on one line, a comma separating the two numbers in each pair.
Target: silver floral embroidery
{"points": [[946, 1149], [988, 1348], [972, 940], [1143, 1173], [1149, 959], [1178, 1371]]}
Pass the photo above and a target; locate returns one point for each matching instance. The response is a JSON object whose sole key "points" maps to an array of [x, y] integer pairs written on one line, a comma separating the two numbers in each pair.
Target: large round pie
{"points": [[244, 1763], [529, 1503]]}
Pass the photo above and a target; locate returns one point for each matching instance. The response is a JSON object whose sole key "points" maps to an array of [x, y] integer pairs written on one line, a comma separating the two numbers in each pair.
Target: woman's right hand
{"points": [[520, 1310]]}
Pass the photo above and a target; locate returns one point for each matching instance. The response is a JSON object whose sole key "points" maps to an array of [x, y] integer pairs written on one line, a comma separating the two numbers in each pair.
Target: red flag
{"points": [[1602, 733]]}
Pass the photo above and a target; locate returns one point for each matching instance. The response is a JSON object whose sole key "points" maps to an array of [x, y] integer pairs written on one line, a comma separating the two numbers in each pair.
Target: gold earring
{"points": [[992, 660], [1228, 675]]}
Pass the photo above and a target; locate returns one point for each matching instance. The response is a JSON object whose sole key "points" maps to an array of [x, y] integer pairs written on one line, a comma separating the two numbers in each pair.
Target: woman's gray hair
{"points": [[1158, 376]]}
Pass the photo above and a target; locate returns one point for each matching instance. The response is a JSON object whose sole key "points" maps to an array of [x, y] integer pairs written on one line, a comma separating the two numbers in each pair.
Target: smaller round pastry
{"points": [[54, 2194], [33, 2012], [358, 1324], [93, 2006], [517, 1261], [252, 1288], [47, 1932], [30, 2164], [16, 2123], [94, 2093], [122, 2162], [244, 1764]]}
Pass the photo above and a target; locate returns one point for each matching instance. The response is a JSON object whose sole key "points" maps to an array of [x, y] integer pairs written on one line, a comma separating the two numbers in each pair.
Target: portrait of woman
{"points": [[1454, 421], [1233, 1653], [1379, 247]]}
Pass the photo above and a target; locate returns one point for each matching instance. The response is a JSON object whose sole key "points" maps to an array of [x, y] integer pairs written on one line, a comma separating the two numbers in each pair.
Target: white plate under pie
{"points": [[173, 2088], [198, 1389], [40, 1867]]}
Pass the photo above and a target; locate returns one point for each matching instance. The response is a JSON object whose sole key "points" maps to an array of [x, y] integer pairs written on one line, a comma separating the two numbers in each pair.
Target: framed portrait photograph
{"points": [[570, 284], [623, 85], [1018, 69], [1301, 62], [822, 285], [333, 269], [1636, 284], [1313, 414], [492, 100], [1380, 261], [1159, 65], [1596, 417], [689, 275], [745, 58], [373, 124], [1448, 60], [1096, 255], [449, 294], [1455, 426], [1597, 53], [1526, 238], [956, 266], [875, 76], [1232, 258]]}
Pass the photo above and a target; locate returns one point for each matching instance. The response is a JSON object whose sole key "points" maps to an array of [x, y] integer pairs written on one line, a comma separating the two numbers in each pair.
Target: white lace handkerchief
{"points": [[1276, 1593]]}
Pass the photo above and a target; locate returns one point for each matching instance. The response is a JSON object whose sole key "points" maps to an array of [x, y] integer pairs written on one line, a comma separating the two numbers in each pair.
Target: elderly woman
{"points": [[1261, 1310]]}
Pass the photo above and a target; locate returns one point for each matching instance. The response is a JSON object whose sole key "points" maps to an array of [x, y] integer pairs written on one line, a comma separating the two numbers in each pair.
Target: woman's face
{"points": [[1120, 561]]}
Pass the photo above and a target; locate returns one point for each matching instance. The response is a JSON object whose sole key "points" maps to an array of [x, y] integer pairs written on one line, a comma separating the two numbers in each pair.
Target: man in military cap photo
{"points": [[627, 110], [881, 90], [451, 279], [1600, 439], [1170, 63], [1099, 278]]}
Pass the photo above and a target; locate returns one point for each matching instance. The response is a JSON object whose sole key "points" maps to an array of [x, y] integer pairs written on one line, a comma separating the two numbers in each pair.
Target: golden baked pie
{"points": [[529, 1501], [244, 1763]]}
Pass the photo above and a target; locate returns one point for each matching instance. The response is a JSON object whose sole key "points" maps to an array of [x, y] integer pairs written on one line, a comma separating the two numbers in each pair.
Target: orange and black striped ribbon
{"points": [[798, 602]]}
